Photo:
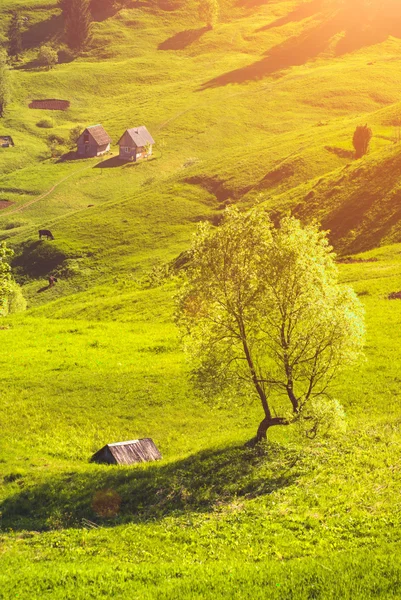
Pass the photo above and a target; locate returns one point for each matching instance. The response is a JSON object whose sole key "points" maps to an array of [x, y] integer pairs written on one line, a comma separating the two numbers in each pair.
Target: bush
{"points": [[208, 11], [361, 140], [47, 57], [65, 55], [13, 225], [15, 301], [44, 124], [75, 132]]}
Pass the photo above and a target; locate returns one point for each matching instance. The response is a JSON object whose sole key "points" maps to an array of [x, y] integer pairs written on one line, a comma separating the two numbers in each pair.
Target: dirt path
{"points": [[45, 194]]}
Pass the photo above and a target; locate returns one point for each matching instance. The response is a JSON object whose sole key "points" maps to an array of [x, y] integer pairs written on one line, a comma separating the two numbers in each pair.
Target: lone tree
{"points": [[361, 140], [47, 57], [263, 314], [4, 84], [208, 11], [77, 22], [14, 35]]}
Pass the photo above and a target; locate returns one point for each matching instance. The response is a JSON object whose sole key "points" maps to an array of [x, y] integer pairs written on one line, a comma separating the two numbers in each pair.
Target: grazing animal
{"points": [[45, 233], [52, 280]]}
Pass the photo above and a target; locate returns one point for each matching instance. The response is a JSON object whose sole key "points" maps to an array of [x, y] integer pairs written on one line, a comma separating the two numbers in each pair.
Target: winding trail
{"points": [[45, 194]]}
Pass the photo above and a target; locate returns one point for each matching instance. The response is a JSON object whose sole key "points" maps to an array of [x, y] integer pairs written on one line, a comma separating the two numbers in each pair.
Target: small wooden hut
{"points": [[94, 141], [127, 453], [136, 143], [50, 104]]}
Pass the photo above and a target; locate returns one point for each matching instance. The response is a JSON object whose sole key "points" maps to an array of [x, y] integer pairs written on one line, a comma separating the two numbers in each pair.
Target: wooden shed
{"points": [[127, 453], [94, 141], [50, 104], [136, 143]]}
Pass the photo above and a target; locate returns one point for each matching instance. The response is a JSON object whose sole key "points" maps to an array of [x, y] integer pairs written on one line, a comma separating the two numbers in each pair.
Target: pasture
{"points": [[261, 109]]}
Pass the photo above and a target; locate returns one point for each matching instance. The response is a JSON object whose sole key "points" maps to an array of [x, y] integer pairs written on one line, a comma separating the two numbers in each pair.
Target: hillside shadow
{"points": [[340, 152], [42, 32], [358, 26], [183, 39], [109, 163], [304, 11], [110, 495], [296, 51], [69, 156], [37, 258]]}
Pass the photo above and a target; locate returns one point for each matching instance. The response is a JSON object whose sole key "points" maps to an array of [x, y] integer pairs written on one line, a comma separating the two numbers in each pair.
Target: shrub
{"points": [[361, 140], [44, 124], [47, 57], [15, 301], [208, 11]]}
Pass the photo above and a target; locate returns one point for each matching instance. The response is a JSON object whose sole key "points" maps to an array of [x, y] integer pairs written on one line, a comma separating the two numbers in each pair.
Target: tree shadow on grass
{"points": [[43, 31], [301, 12], [109, 163], [358, 28], [183, 39], [112, 495]]}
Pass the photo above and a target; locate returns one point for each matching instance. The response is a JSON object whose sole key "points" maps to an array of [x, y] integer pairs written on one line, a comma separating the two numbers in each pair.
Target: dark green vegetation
{"points": [[261, 108]]}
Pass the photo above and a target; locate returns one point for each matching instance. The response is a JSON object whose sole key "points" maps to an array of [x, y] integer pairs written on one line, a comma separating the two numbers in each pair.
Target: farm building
{"points": [[94, 141], [136, 143], [6, 141], [50, 104], [127, 453]]}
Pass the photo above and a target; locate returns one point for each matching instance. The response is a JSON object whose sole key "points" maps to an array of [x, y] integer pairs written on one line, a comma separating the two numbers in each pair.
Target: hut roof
{"points": [[127, 453], [50, 104], [140, 136], [99, 134]]}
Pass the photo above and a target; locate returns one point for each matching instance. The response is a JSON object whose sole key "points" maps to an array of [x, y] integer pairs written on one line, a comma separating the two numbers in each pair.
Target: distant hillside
{"points": [[360, 204]]}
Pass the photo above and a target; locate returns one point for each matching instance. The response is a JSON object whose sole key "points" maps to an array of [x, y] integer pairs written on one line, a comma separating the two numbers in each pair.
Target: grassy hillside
{"points": [[260, 109]]}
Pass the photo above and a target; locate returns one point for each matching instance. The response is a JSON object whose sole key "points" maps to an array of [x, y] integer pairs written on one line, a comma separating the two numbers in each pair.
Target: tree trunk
{"points": [[264, 427]]}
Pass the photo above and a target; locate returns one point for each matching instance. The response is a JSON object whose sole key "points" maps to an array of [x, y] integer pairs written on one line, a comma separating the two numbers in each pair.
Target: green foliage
{"points": [[15, 301], [14, 35], [5, 87], [264, 314], [77, 22], [47, 57], [208, 12], [361, 140], [45, 124], [6, 282], [75, 133]]}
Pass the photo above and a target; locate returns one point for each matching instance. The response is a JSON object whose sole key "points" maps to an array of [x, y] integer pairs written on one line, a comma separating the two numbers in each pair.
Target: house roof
{"points": [[140, 136], [99, 134], [133, 451]]}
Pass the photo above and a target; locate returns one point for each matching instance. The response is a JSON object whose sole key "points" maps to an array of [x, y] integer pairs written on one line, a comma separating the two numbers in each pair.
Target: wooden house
{"points": [[127, 453], [50, 104], [136, 143], [94, 141]]}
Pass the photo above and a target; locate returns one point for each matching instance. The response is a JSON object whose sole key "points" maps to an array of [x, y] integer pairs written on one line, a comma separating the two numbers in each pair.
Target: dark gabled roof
{"points": [[127, 453], [99, 134], [140, 136]]}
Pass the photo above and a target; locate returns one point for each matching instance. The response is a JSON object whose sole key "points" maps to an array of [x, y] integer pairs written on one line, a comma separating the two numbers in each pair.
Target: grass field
{"points": [[260, 109]]}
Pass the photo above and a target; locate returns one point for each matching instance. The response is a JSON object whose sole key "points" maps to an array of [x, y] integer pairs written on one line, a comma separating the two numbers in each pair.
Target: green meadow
{"points": [[260, 109]]}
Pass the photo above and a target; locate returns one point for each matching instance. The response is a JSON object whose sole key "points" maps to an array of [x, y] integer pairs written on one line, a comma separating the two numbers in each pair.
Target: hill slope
{"points": [[260, 109]]}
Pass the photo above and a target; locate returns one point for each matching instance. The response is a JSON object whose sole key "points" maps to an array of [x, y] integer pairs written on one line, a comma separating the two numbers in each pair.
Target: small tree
{"points": [[208, 11], [77, 22], [75, 132], [148, 150], [361, 140], [47, 57], [263, 314], [5, 88], [14, 35], [6, 281]]}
